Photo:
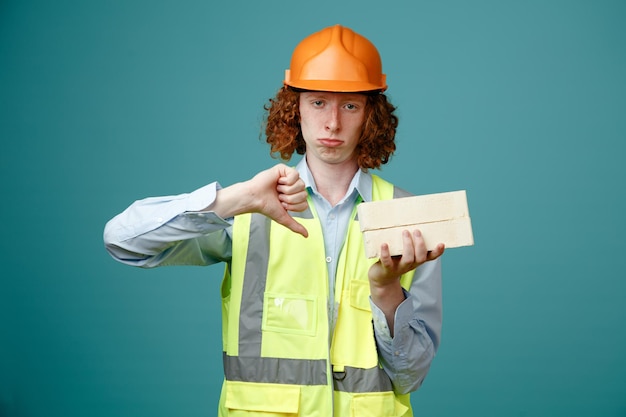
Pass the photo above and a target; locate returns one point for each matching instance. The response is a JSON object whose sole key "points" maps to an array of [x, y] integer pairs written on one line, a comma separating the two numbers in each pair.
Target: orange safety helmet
{"points": [[336, 59]]}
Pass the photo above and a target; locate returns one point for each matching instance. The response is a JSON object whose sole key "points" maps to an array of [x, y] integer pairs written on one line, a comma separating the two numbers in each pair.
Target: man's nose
{"points": [[333, 122]]}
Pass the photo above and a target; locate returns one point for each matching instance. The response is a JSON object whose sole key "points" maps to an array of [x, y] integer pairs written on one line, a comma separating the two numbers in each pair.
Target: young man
{"points": [[310, 326]]}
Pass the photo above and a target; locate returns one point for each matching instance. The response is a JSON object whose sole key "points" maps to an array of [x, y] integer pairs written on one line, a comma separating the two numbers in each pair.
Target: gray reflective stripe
{"points": [[255, 276], [304, 372], [400, 193], [275, 370], [362, 380]]}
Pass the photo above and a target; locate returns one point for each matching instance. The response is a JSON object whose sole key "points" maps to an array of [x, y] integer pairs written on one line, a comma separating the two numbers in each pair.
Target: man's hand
{"points": [[272, 192], [414, 253], [384, 275], [278, 190]]}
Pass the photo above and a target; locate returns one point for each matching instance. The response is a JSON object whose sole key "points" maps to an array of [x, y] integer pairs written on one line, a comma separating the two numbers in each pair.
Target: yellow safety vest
{"points": [[275, 324]]}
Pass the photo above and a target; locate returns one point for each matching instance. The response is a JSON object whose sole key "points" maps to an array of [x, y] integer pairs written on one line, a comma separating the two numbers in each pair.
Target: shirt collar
{"points": [[362, 181]]}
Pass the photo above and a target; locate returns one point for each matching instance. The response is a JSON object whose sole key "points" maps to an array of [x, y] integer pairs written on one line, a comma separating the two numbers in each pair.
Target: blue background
{"points": [[522, 104]]}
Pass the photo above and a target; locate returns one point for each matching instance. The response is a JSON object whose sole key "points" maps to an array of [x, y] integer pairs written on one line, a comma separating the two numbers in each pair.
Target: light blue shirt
{"points": [[335, 221], [174, 230]]}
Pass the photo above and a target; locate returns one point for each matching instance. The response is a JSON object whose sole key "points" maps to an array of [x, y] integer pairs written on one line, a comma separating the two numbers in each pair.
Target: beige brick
{"points": [[412, 210], [453, 233], [441, 218]]}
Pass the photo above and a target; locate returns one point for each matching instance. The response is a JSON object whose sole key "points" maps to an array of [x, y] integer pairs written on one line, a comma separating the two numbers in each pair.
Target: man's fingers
{"points": [[293, 225], [287, 175], [298, 207], [408, 250], [292, 193], [437, 252], [385, 258], [417, 247], [294, 202]]}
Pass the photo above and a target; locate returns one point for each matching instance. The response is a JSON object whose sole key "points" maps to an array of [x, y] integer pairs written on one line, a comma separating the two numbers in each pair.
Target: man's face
{"points": [[331, 125]]}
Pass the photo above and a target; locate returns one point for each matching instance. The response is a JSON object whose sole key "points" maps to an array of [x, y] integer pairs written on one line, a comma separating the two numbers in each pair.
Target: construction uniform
{"points": [[276, 326], [286, 350]]}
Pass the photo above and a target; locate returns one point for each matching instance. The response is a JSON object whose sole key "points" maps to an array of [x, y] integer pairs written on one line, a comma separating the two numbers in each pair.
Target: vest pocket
{"points": [[245, 399], [360, 294], [289, 313], [377, 404]]}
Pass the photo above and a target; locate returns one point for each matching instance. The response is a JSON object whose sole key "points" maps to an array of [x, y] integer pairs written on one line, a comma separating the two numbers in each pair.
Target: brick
{"points": [[412, 210], [441, 218]]}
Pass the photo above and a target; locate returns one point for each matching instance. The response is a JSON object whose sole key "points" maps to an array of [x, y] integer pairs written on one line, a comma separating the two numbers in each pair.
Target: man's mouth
{"points": [[331, 143]]}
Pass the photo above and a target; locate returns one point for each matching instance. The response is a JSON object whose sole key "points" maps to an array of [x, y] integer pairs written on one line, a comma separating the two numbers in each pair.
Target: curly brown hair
{"points": [[283, 133]]}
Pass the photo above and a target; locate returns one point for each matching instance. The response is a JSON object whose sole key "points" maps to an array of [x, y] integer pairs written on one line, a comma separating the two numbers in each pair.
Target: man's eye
{"points": [[350, 106], [318, 103]]}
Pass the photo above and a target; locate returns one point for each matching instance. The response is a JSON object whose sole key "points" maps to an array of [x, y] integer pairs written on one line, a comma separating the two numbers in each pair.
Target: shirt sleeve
{"points": [[170, 230], [417, 330]]}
